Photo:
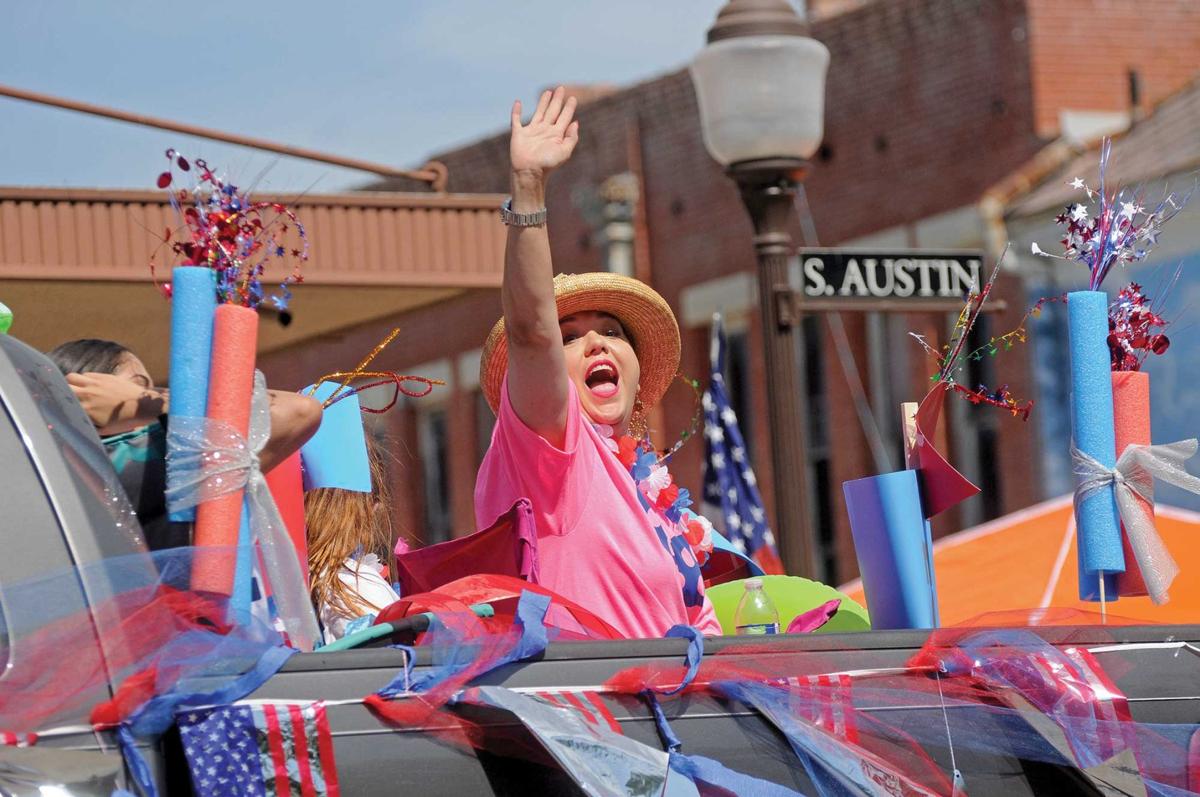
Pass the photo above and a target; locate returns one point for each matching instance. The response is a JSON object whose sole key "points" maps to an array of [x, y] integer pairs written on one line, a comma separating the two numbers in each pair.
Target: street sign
{"points": [[860, 274], [889, 281]]}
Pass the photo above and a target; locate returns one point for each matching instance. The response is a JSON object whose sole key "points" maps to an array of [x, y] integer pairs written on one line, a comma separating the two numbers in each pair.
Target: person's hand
{"points": [[549, 138], [114, 403]]}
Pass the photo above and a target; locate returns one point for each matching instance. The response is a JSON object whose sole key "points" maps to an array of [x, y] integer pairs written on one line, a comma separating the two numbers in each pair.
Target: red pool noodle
{"points": [[230, 386], [287, 488], [1131, 419]]}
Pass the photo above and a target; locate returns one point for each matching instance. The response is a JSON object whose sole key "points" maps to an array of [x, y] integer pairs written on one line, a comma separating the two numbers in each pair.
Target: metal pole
{"points": [[768, 190], [434, 172]]}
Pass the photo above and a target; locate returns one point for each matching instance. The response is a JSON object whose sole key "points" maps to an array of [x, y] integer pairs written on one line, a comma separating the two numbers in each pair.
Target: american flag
{"points": [[729, 482], [260, 750]]}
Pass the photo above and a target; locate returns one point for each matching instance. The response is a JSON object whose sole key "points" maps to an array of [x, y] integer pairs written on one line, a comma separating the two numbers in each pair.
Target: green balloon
{"points": [[6, 317]]}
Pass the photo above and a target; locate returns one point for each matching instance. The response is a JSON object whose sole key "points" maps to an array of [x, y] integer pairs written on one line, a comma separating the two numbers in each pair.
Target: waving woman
{"points": [[569, 370]]}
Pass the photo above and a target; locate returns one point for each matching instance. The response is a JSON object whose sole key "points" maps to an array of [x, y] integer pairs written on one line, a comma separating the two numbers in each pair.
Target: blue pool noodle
{"points": [[1098, 535], [890, 539], [243, 574], [193, 302]]}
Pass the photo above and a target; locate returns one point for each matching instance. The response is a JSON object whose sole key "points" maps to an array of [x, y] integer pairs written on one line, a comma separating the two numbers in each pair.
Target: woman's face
{"points": [[130, 367], [602, 364]]}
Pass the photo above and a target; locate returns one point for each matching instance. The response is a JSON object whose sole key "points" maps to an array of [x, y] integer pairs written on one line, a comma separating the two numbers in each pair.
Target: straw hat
{"points": [[646, 316]]}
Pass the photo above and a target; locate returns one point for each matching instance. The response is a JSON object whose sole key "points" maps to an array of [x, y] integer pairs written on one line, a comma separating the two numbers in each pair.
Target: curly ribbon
{"points": [[209, 459], [1133, 478]]}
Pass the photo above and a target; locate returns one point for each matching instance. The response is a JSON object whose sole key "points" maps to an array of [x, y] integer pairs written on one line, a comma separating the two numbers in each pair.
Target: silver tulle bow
{"points": [[1133, 478], [210, 458]]}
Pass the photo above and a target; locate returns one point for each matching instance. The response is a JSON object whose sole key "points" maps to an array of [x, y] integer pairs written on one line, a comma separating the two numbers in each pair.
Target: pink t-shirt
{"points": [[597, 544]]}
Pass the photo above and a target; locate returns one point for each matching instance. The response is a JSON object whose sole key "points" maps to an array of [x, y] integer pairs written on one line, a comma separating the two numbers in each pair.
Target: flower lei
{"points": [[657, 487]]}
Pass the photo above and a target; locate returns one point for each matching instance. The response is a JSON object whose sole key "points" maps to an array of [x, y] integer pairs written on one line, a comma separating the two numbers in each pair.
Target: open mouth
{"points": [[602, 379]]}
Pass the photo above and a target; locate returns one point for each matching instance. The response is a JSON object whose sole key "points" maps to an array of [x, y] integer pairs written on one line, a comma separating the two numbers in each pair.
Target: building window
{"points": [[433, 447]]}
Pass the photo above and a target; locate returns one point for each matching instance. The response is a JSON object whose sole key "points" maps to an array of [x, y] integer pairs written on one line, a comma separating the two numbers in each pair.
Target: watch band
{"points": [[514, 219]]}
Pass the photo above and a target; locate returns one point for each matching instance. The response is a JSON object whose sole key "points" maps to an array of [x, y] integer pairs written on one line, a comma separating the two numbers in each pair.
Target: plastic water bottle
{"points": [[756, 614]]}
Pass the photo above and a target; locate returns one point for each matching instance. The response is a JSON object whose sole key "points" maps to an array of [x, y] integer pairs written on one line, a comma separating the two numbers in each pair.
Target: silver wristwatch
{"points": [[513, 219]]}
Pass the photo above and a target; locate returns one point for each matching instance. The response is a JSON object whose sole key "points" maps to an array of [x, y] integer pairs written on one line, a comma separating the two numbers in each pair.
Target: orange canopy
{"points": [[1026, 560]]}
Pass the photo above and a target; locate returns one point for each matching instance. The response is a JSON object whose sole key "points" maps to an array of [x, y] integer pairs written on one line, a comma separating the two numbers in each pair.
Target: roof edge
{"points": [[388, 199]]}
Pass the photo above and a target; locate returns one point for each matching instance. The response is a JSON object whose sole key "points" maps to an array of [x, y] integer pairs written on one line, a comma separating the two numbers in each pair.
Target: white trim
{"points": [[1060, 561], [1145, 646]]}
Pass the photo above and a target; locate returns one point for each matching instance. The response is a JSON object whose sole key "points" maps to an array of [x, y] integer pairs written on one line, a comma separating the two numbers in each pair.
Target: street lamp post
{"points": [[760, 87]]}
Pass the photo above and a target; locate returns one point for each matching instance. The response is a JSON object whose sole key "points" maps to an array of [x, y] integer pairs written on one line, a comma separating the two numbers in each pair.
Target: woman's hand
{"points": [[116, 404], [537, 372], [548, 140]]}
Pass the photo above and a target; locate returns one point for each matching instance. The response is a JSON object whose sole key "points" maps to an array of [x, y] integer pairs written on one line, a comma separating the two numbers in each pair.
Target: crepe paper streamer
{"points": [[230, 385], [6, 319], [888, 526], [286, 485], [942, 487], [336, 456], [1098, 531], [193, 301], [1131, 424]]}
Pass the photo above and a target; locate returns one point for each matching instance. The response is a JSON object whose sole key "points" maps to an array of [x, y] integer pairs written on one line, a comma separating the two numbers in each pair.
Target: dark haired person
{"points": [[130, 414]]}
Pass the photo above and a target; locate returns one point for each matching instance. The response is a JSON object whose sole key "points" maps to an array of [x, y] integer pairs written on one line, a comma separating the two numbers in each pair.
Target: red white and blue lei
{"points": [[657, 487]]}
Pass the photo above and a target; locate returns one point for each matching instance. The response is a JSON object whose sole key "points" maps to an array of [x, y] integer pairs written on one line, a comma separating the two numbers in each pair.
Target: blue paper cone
{"points": [[336, 456], [891, 539]]}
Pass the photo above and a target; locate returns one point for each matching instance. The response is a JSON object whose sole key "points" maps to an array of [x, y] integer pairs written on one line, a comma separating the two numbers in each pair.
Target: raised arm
{"points": [[537, 371], [115, 404]]}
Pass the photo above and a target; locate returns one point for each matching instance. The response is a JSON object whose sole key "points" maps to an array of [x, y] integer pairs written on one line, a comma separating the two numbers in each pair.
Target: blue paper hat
{"points": [[336, 456]]}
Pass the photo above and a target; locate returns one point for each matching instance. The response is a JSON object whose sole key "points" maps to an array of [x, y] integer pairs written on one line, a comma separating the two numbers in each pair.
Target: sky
{"points": [[391, 82]]}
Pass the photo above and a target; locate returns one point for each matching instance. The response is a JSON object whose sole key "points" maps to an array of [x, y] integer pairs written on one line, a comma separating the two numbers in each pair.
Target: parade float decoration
{"points": [[969, 700], [1001, 695], [890, 512], [220, 413], [336, 455], [1114, 463]]}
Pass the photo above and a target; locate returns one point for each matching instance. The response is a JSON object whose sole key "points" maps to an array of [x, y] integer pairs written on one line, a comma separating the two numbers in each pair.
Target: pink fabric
{"points": [[597, 544]]}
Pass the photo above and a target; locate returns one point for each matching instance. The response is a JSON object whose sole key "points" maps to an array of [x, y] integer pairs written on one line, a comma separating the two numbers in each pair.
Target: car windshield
{"points": [[90, 475]]}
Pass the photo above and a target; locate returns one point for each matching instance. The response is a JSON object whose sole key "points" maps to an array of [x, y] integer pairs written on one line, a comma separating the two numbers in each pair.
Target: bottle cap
{"points": [[753, 583]]}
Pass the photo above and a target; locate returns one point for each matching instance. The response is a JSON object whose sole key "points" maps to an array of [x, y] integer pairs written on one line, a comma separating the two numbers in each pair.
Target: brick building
{"points": [[932, 107]]}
